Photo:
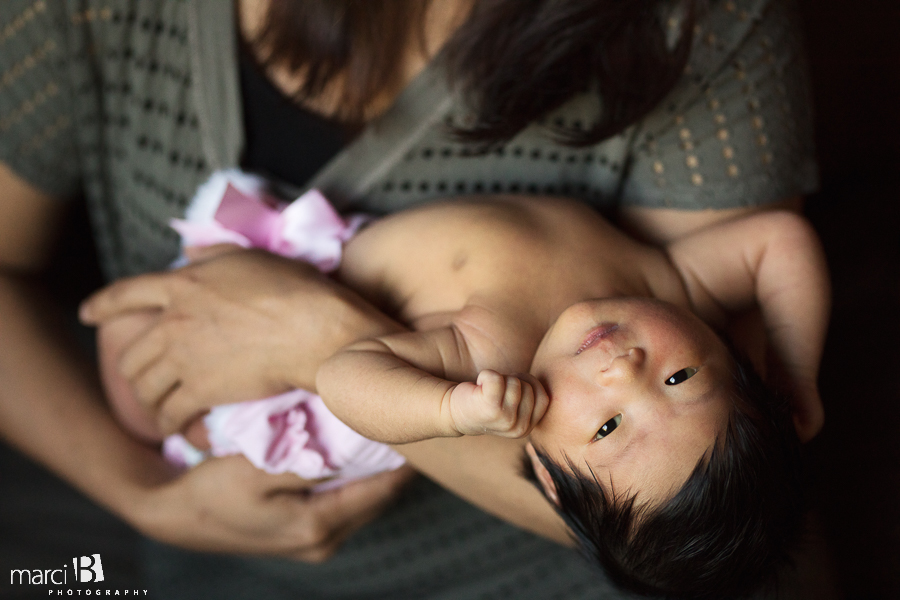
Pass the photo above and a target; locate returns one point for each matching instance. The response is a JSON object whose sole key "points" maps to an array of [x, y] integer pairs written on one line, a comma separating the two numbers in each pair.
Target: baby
{"points": [[668, 459], [535, 317]]}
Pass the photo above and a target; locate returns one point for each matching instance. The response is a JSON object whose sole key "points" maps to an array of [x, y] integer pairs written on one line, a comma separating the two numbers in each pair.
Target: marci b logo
{"points": [[90, 569]]}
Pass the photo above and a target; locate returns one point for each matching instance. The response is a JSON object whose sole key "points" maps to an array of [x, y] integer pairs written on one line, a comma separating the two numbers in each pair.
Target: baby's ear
{"points": [[543, 475]]}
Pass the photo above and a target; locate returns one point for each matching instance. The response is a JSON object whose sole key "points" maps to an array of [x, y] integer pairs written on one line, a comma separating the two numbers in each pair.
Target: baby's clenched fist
{"points": [[505, 405]]}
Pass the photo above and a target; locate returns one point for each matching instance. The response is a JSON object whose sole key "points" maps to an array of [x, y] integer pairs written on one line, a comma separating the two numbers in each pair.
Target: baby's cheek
{"points": [[113, 337]]}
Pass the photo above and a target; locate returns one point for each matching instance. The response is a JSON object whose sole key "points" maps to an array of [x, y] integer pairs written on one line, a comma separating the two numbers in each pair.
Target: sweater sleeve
{"points": [[737, 130], [37, 125]]}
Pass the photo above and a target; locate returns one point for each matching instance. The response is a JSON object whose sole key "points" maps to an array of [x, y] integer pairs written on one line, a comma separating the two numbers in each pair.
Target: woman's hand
{"points": [[261, 513], [234, 325]]}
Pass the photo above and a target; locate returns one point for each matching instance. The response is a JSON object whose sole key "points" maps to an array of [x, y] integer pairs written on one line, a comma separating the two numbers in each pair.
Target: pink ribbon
{"points": [[249, 217], [307, 229]]}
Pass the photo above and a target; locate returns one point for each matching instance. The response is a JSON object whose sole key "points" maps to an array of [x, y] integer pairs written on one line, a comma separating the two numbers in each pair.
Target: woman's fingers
{"points": [[326, 519], [285, 483], [143, 352], [156, 376], [314, 525], [145, 292], [175, 409], [262, 513], [154, 384], [227, 326]]}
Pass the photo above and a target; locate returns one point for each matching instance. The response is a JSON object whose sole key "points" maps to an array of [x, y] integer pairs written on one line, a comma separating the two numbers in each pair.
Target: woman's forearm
{"points": [[51, 408], [237, 325], [486, 471], [348, 320]]}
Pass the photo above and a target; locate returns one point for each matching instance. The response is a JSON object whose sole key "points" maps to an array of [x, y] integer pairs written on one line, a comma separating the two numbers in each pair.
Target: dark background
{"points": [[854, 50]]}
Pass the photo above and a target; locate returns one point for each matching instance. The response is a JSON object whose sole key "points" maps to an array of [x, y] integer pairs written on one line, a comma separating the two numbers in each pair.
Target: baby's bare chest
{"points": [[500, 255], [434, 260]]}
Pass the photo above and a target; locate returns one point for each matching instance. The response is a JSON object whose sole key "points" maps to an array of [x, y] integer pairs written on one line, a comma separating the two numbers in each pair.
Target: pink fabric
{"points": [[307, 229], [293, 432]]}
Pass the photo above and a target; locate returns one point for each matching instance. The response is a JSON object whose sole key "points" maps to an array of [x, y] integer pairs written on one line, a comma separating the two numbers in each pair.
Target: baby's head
{"points": [[668, 458]]}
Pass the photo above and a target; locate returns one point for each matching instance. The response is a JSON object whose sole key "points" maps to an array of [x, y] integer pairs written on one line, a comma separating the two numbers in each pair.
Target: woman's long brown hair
{"points": [[514, 60]]}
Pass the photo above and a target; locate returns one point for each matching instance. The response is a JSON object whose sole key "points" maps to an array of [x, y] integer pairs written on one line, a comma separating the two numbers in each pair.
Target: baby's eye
{"points": [[608, 427], [681, 376]]}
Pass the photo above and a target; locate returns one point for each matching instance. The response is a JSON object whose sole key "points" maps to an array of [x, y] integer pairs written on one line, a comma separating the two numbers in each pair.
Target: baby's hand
{"points": [[508, 406]]}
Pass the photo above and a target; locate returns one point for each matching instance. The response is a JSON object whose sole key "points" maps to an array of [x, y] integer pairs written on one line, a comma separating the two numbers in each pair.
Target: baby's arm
{"points": [[402, 388], [774, 259]]}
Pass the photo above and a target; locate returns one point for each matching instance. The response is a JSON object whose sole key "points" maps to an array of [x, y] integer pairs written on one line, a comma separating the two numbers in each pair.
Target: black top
{"points": [[283, 140]]}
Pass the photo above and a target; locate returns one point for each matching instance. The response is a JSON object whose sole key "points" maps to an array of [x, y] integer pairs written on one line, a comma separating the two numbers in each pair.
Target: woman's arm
{"points": [[234, 324], [51, 409], [49, 406], [486, 471]]}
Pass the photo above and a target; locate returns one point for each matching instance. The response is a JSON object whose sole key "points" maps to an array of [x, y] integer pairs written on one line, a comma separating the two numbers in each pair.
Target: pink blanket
{"points": [[293, 432]]}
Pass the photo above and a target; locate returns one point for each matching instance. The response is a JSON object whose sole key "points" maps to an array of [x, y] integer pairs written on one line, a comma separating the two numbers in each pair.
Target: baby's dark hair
{"points": [[725, 533]]}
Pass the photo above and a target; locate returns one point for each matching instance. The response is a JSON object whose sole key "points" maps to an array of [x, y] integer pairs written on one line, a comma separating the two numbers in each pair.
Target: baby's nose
{"points": [[627, 365]]}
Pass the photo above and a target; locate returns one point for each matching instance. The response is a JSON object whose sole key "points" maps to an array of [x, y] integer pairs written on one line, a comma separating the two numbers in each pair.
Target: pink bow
{"points": [[308, 228]]}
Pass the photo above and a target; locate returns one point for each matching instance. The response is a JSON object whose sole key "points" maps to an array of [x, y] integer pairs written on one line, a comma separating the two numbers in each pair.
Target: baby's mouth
{"points": [[596, 335]]}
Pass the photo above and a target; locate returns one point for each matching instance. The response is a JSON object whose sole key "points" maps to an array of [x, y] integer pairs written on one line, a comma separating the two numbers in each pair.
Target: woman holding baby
{"points": [[700, 107]]}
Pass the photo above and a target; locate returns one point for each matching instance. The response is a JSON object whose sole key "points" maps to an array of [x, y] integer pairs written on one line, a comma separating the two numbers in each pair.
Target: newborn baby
{"points": [[535, 316], [671, 463]]}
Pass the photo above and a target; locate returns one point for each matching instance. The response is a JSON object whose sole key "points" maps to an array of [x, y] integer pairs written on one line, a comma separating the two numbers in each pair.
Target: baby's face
{"points": [[638, 392]]}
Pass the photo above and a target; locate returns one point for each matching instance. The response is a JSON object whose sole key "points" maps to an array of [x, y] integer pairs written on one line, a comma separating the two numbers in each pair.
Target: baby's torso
{"points": [[500, 270]]}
